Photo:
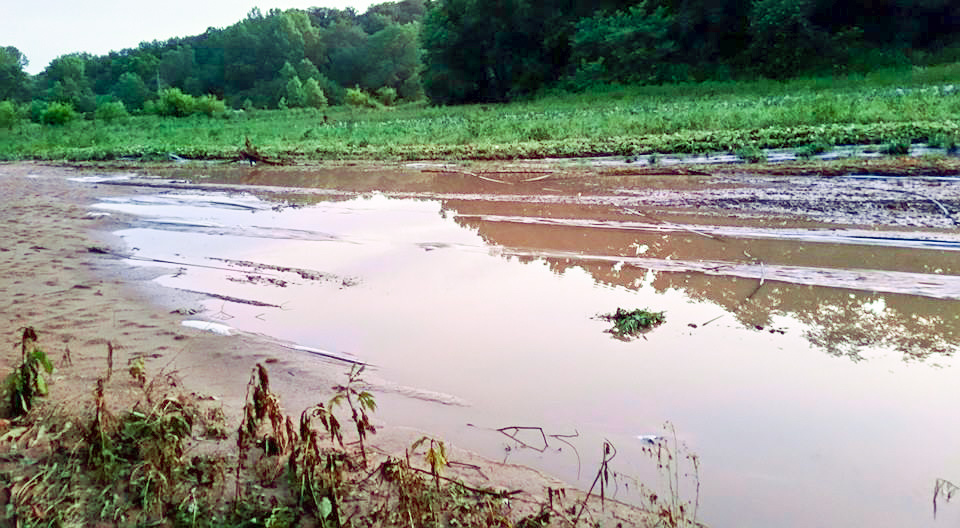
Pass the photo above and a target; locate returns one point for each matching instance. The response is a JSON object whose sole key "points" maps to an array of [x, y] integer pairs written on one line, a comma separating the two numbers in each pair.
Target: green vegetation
{"points": [[615, 77], [633, 323], [469, 51], [812, 114], [26, 382]]}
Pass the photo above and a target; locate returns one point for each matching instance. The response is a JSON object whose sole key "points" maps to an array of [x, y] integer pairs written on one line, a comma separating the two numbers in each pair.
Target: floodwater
{"points": [[810, 367]]}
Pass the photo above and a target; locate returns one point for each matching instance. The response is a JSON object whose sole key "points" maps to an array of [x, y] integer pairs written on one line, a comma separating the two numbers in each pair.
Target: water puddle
{"points": [[810, 367]]}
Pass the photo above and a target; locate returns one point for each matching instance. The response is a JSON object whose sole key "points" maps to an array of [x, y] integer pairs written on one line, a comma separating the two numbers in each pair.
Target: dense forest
{"points": [[463, 51]]}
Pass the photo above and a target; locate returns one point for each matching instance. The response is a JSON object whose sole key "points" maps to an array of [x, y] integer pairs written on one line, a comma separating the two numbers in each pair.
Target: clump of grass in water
{"points": [[751, 154], [633, 323], [897, 147], [812, 149]]}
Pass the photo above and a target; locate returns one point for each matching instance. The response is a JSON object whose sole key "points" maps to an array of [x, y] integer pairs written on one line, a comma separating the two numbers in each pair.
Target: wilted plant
{"points": [[262, 405], [138, 371], [26, 382]]}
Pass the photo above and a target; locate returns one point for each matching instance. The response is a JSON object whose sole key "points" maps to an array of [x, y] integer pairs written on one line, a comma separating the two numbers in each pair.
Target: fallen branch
{"points": [[493, 493], [517, 428]]}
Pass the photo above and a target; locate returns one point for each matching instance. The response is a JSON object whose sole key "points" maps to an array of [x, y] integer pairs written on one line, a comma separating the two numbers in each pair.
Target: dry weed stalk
{"points": [[262, 404]]}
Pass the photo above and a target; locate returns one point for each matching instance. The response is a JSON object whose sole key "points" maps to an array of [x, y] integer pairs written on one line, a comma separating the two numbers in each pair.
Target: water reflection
{"points": [[840, 321], [455, 299]]}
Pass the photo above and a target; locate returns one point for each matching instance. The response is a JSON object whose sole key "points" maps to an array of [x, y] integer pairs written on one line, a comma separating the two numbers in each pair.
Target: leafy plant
{"points": [[358, 410], [436, 456], [632, 323], [26, 382]]}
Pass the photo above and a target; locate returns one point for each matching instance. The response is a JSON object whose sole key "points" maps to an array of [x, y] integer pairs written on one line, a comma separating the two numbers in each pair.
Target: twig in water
{"points": [[562, 438], [712, 320], [603, 475], [514, 429]]}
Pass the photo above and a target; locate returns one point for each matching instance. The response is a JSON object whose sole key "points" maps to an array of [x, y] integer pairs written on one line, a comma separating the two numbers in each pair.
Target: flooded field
{"points": [[807, 359]]}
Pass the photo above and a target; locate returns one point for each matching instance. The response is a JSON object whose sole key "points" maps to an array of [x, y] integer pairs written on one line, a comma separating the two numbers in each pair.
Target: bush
{"points": [[8, 115], [387, 95], [209, 105], [173, 102], [36, 110], [58, 114], [315, 97], [111, 110], [357, 97]]}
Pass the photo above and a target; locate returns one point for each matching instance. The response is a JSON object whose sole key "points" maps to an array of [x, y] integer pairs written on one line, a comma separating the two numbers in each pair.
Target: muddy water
{"points": [[810, 366]]}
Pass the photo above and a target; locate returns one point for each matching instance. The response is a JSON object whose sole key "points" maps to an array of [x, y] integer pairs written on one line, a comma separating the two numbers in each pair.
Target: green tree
{"points": [[394, 60], [14, 81], [295, 95], [628, 46], [347, 59], [314, 94], [176, 66], [131, 90], [8, 114], [65, 80]]}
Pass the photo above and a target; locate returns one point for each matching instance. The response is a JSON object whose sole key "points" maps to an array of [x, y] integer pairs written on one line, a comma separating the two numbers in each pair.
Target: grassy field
{"points": [[891, 107]]}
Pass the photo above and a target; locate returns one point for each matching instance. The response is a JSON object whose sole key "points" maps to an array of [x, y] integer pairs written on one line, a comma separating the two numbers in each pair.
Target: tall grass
{"points": [[914, 104]]}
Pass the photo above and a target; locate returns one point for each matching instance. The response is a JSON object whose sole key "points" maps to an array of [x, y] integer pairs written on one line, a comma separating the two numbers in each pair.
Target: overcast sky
{"points": [[45, 29]]}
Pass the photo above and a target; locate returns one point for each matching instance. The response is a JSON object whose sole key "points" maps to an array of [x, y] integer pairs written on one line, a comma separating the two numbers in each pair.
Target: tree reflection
{"points": [[841, 322]]}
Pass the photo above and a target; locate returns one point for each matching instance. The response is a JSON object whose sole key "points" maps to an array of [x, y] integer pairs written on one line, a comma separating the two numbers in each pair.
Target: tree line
{"points": [[479, 50], [462, 51]]}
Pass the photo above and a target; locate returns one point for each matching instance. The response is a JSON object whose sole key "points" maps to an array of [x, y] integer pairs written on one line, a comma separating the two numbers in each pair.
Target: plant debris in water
{"points": [[629, 324]]}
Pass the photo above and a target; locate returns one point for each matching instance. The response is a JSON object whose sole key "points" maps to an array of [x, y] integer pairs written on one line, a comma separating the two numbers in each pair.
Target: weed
{"points": [[812, 149], [358, 410], [436, 456], [751, 154], [944, 141], [263, 425], [633, 323], [26, 382], [897, 147], [138, 371], [672, 508]]}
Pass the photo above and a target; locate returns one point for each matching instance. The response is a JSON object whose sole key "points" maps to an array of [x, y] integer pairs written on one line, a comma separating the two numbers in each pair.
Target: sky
{"points": [[46, 29]]}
